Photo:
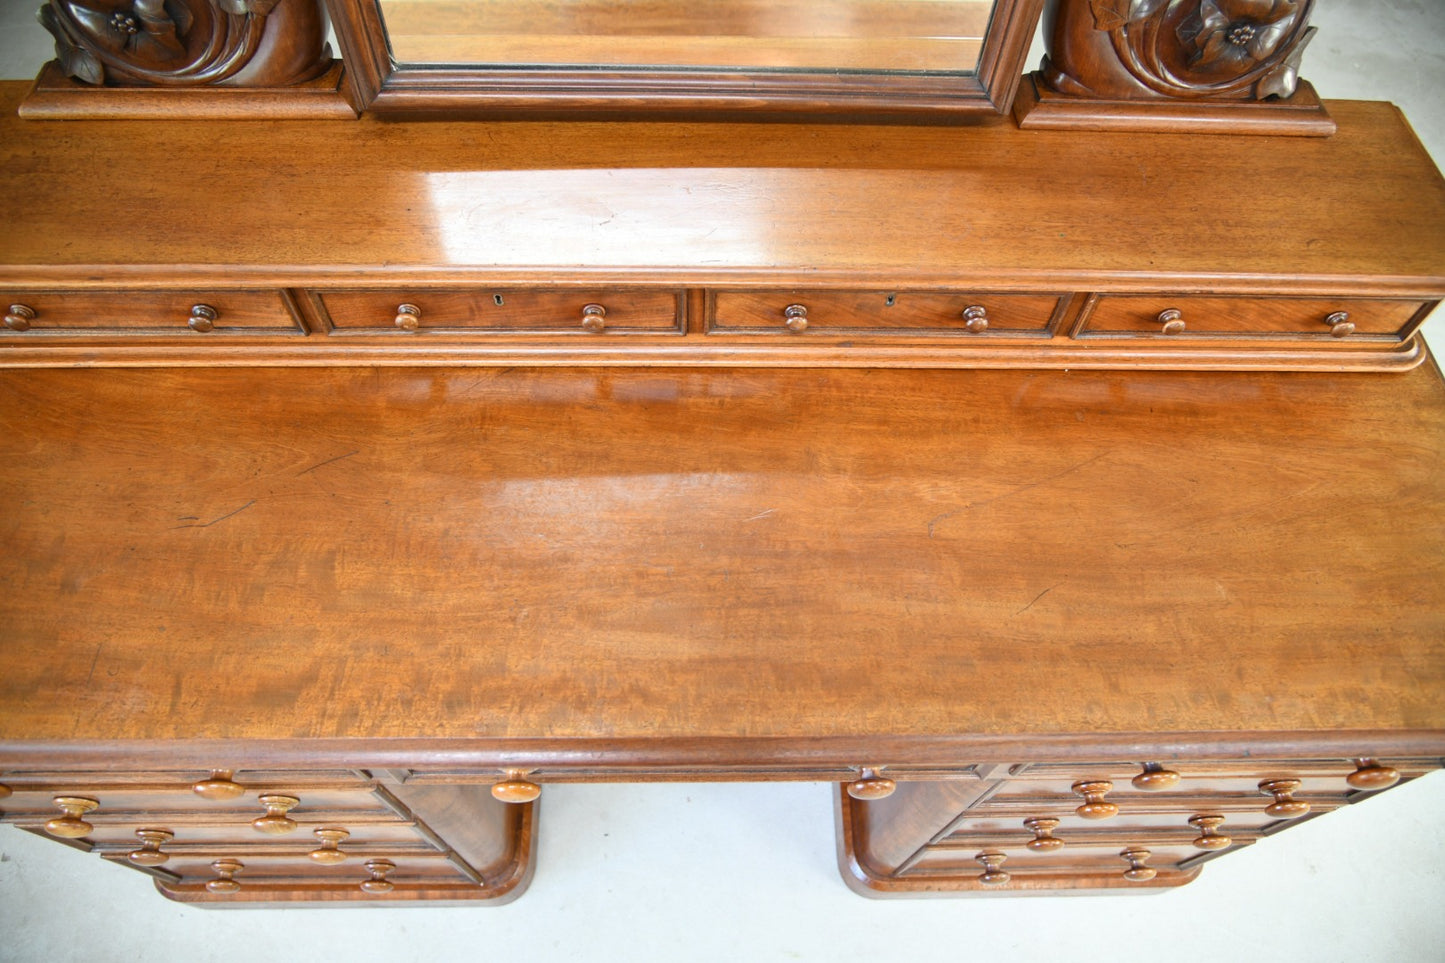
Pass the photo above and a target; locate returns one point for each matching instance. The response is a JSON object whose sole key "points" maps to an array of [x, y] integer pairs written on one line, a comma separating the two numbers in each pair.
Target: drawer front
{"points": [[183, 312], [1315, 319], [581, 311], [960, 315], [1108, 825]]}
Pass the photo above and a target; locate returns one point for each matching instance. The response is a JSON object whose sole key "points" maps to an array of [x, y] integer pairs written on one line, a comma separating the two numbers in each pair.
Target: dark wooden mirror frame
{"points": [[377, 84]]}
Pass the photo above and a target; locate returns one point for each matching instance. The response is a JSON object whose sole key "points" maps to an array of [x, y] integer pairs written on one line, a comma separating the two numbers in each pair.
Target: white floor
{"points": [[747, 872]]}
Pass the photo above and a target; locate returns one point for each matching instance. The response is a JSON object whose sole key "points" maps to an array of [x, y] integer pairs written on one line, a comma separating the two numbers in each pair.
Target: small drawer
{"points": [[582, 312], [960, 315], [209, 313], [1314, 319]]}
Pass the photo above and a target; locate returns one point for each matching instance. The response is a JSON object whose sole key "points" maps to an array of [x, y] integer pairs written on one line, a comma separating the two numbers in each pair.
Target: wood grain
{"points": [[663, 557], [720, 205]]}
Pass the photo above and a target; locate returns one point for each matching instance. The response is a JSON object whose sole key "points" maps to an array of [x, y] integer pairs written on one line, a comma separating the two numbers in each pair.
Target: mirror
{"points": [[916, 60], [804, 35]]}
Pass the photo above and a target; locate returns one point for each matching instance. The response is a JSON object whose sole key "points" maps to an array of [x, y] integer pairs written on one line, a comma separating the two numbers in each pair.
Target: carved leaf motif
{"points": [[77, 62], [1109, 14], [1281, 81], [181, 16]]}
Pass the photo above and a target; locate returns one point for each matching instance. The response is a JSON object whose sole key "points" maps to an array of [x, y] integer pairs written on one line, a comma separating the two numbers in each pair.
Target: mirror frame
{"points": [[379, 85]]}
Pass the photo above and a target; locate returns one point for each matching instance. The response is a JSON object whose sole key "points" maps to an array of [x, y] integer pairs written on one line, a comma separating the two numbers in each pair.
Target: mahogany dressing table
{"points": [[1070, 500]]}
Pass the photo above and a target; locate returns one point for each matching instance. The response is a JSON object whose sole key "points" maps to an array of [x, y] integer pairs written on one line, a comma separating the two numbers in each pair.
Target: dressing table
{"points": [[1069, 498]]}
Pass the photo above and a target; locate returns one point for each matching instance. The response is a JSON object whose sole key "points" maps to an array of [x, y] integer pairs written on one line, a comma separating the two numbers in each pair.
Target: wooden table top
{"points": [[649, 558], [109, 203]]}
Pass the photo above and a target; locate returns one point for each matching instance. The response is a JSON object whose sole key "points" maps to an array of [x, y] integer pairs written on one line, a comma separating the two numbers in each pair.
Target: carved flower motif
{"points": [[1234, 35]]}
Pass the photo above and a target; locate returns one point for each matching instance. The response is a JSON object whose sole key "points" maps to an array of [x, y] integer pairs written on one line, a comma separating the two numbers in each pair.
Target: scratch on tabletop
{"points": [[214, 521], [93, 662], [328, 461], [761, 515], [937, 520], [1036, 598]]}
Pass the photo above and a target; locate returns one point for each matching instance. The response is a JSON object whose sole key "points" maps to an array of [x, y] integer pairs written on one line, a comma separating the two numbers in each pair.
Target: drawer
{"points": [[1315, 319], [30, 314], [962, 315], [584, 312]]}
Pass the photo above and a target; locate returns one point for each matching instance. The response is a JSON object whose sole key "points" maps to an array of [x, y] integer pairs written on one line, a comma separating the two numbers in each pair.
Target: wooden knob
{"points": [[1044, 840], [218, 786], [329, 854], [71, 826], [975, 318], [594, 318], [795, 316], [408, 317], [276, 822], [150, 853], [1155, 778], [870, 785], [1209, 836], [1340, 324], [1284, 805], [515, 789], [993, 874], [1171, 321], [203, 317], [1093, 791], [378, 868], [1370, 776], [1137, 871], [225, 882], [4, 790], [19, 316]]}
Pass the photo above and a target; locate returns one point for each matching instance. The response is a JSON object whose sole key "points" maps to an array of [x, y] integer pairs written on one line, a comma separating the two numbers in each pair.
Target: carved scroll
{"points": [[185, 43], [1141, 55]]}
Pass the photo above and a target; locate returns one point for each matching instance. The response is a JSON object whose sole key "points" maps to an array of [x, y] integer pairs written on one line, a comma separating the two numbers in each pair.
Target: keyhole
{"points": [[497, 300], [888, 301]]}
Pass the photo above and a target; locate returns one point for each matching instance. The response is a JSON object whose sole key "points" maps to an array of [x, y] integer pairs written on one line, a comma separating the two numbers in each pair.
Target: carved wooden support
{"points": [[156, 43], [1199, 65]]}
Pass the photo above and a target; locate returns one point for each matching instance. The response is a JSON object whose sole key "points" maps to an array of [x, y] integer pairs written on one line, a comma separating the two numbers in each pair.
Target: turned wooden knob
{"points": [[1044, 840], [1171, 321], [870, 785], [1340, 324], [329, 853], [203, 317], [19, 316], [795, 316], [594, 318], [71, 826], [218, 786], [993, 874], [975, 318], [1370, 776], [4, 790], [1137, 871], [276, 822], [150, 852], [1209, 836], [1155, 778], [1094, 806], [1284, 805], [408, 317], [378, 868], [515, 789], [225, 882]]}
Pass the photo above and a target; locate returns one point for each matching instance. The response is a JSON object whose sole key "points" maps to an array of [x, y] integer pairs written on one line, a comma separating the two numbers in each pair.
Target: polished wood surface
{"points": [[718, 245], [729, 567], [719, 205]]}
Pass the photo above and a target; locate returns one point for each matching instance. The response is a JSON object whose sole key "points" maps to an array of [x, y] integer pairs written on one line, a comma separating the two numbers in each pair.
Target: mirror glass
{"points": [[834, 36]]}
